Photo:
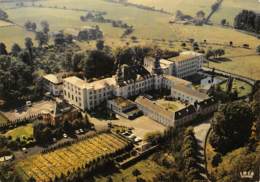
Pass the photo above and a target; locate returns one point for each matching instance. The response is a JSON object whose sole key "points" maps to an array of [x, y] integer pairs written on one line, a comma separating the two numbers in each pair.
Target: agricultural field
{"points": [[45, 167], [228, 10], [150, 28]]}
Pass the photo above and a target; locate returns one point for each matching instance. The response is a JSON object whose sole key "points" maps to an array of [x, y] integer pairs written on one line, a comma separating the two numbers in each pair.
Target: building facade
{"points": [[53, 84], [124, 107], [187, 94], [155, 112], [186, 64]]}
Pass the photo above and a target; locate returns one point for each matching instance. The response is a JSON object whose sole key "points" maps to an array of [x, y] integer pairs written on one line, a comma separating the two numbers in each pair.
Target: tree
{"points": [[30, 26], [247, 20], [33, 26], [41, 38], [125, 56], [3, 15], [16, 49], [45, 27], [136, 172], [29, 45], [98, 63], [59, 39], [223, 22], [231, 126], [3, 50], [100, 45], [258, 49]]}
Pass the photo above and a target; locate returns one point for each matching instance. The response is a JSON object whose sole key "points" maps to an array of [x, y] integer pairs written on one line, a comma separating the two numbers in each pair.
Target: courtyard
{"points": [[170, 105]]}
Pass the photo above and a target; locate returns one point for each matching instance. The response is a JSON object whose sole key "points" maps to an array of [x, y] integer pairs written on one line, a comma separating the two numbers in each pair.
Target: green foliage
{"points": [[3, 15], [153, 137], [258, 49], [216, 160], [15, 76], [16, 49], [231, 126], [247, 20], [41, 38], [3, 50], [98, 63]]}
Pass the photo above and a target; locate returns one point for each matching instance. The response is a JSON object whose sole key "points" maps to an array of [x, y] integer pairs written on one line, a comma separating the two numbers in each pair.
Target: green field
{"points": [[228, 10], [20, 132], [151, 28], [3, 119]]}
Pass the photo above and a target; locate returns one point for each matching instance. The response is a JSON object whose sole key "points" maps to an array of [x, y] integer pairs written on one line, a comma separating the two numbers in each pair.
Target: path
{"points": [[200, 132]]}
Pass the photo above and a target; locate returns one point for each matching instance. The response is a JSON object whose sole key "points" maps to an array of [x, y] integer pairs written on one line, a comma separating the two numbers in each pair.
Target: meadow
{"points": [[151, 28], [228, 10]]}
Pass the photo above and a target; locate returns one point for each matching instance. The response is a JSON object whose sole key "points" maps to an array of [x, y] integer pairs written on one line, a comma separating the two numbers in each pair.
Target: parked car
{"points": [[29, 103]]}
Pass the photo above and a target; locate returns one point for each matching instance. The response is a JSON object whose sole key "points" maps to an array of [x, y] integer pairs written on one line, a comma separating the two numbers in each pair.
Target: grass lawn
{"points": [[147, 167], [3, 119], [243, 88], [14, 34], [21, 131], [170, 105]]}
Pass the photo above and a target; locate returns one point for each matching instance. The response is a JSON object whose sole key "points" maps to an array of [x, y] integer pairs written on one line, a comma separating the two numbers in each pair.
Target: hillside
{"points": [[228, 9], [150, 27]]}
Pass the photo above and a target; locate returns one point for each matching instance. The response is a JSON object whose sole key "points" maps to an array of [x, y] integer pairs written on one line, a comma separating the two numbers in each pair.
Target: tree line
{"points": [[99, 18], [247, 20]]}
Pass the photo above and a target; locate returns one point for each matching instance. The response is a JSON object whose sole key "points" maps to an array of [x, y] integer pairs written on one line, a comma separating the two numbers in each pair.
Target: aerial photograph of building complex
{"points": [[129, 90]]}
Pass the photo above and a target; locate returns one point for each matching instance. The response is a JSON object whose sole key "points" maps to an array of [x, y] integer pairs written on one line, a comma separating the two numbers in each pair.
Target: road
{"points": [[249, 80]]}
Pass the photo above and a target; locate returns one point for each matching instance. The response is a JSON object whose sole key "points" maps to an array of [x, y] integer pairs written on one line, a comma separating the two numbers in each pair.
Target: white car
{"points": [[65, 135], [29, 103]]}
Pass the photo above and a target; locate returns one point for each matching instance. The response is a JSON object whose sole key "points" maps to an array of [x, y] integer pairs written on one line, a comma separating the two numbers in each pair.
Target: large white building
{"points": [[129, 81], [186, 64]]}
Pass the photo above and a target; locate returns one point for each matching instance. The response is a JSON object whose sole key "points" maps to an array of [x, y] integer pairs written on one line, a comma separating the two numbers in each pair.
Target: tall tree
{"points": [[3, 50], [29, 45], [16, 49], [41, 38], [45, 27]]}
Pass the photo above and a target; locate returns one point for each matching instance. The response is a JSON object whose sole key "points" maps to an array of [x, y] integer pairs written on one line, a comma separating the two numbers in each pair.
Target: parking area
{"points": [[36, 108], [142, 125]]}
